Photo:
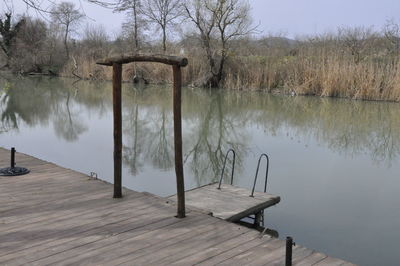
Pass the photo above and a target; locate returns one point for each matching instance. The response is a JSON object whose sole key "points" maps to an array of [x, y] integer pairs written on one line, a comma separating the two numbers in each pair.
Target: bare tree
{"points": [[392, 34], [135, 23], [356, 40], [163, 13], [8, 33], [218, 23], [95, 40], [68, 17], [31, 44], [133, 8]]}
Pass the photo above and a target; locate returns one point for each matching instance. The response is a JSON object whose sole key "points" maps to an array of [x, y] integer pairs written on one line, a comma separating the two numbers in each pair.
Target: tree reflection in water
{"points": [[213, 121], [133, 144], [216, 131], [68, 124]]}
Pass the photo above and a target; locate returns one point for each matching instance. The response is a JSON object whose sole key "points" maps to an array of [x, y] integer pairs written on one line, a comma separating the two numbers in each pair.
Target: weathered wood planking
{"points": [[56, 216], [228, 203]]}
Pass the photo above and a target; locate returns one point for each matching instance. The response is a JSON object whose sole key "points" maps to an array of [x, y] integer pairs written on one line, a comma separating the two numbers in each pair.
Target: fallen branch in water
{"points": [[75, 69]]}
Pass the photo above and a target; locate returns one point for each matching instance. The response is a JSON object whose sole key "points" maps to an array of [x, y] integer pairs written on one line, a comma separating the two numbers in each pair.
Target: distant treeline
{"points": [[222, 44]]}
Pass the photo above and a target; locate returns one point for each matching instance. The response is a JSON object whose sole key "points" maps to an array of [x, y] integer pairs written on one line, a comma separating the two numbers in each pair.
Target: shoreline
{"points": [[273, 91]]}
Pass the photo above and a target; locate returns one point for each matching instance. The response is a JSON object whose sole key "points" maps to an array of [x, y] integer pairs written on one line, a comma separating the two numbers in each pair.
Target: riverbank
{"points": [[332, 75]]}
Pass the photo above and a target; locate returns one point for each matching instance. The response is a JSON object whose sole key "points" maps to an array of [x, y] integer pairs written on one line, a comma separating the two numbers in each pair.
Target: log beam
{"points": [[125, 59]]}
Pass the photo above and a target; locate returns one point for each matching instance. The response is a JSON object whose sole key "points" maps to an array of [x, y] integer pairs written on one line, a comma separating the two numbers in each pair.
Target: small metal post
{"points": [[289, 245], [12, 157]]}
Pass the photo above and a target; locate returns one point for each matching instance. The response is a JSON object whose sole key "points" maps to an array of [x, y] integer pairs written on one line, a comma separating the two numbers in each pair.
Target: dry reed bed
{"points": [[321, 73]]}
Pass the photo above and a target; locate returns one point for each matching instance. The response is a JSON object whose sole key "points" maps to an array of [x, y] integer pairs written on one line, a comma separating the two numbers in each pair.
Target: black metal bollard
{"points": [[13, 170], [289, 245], [12, 157]]}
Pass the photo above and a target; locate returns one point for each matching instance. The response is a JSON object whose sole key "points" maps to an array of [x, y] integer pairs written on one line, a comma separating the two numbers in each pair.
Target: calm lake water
{"points": [[334, 162]]}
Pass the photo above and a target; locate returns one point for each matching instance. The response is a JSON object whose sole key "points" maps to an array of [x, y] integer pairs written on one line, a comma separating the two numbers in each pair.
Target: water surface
{"points": [[334, 162]]}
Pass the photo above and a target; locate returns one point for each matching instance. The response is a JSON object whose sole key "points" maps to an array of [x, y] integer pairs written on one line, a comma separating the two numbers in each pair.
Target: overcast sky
{"points": [[292, 17]]}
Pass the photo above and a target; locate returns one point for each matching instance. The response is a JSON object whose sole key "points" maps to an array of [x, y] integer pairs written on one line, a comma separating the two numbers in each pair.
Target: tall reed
{"points": [[325, 68]]}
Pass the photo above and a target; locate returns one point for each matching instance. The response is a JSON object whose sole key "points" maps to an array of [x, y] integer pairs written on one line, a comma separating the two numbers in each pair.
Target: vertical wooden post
{"points": [[178, 141], [117, 113]]}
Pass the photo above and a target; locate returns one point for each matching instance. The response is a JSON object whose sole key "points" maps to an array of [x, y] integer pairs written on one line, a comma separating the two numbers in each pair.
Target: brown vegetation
{"points": [[357, 63], [323, 66]]}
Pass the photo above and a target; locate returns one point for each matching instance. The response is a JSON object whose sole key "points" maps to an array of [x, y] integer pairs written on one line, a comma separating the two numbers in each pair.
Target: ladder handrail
{"points": [[223, 168], [266, 174]]}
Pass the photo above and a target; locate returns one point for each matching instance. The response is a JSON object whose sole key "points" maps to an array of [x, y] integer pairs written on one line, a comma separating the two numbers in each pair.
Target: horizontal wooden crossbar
{"points": [[125, 59]]}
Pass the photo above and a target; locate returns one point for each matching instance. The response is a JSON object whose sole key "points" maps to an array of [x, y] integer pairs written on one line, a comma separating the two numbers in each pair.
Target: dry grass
{"points": [[328, 76], [324, 70]]}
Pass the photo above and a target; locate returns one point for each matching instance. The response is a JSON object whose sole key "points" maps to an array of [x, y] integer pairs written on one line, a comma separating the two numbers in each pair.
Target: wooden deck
{"points": [[58, 216], [229, 203]]}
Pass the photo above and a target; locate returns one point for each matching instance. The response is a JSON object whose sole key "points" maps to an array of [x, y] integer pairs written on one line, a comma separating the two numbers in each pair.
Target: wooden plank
{"points": [[103, 232], [329, 261], [64, 205], [42, 195], [213, 250], [56, 179], [55, 190], [95, 209], [15, 206], [166, 240], [133, 242], [259, 255], [298, 254], [99, 209], [17, 217], [240, 249], [167, 254], [36, 176], [312, 259], [84, 227], [230, 203], [55, 249]]}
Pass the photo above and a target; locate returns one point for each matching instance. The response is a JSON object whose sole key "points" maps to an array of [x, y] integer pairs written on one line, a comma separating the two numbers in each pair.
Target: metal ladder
{"points": [[264, 155], [261, 214], [223, 168]]}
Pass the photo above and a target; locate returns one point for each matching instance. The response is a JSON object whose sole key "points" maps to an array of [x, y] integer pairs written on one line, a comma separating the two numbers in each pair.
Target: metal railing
{"points": [[266, 174], [223, 168]]}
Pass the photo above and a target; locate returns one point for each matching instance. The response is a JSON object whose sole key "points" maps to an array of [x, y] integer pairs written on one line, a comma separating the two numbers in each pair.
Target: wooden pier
{"points": [[229, 203], [58, 216]]}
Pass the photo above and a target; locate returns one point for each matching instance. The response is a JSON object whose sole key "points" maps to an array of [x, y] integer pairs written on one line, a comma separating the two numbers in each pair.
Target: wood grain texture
{"points": [[229, 203], [157, 58], [56, 216]]}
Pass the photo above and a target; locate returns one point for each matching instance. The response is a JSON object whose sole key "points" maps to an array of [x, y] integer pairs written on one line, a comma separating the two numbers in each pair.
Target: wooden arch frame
{"points": [[176, 63]]}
